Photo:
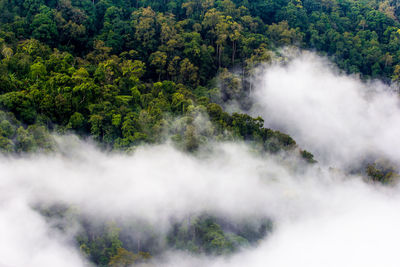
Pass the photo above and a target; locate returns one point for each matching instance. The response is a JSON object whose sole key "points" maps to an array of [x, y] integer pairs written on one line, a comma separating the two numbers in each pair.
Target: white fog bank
{"points": [[356, 228], [321, 218], [338, 118]]}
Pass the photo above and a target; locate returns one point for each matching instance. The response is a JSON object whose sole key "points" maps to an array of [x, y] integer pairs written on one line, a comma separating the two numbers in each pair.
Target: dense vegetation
{"points": [[120, 96], [125, 242], [127, 72]]}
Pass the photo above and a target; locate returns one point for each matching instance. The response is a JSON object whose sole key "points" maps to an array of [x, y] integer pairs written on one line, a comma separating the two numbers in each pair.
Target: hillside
{"points": [[165, 98]]}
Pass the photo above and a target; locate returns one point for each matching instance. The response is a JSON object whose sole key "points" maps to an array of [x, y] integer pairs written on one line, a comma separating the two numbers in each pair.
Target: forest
{"points": [[128, 73]]}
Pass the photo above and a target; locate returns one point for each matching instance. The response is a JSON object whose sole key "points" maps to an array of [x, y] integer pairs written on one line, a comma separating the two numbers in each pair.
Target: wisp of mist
{"points": [[337, 117], [321, 216]]}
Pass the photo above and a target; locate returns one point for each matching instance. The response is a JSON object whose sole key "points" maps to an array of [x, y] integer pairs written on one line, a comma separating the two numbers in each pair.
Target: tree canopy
{"points": [[126, 73]]}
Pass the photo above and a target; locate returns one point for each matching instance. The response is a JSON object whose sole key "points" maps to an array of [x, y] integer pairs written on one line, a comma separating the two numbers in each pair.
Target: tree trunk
{"points": [[233, 52], [217, 52], [219, 56]]}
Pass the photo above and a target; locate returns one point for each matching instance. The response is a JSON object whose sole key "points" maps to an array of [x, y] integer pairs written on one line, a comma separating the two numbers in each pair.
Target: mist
{"points": [[320, 217], [339, 118]]}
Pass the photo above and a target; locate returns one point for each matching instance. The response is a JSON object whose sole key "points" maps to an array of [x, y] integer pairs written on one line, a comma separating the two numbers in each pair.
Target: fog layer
{"points": [[320, 218], [337, 117]]}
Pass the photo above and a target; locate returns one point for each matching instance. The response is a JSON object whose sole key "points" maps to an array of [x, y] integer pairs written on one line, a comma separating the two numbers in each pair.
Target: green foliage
{"points": [[308, 156], [74, 65], [206, 234], [134, 72], [15, 138], [212, 237], [104, 247], [125, 258], [201, 36], [382, 171]]}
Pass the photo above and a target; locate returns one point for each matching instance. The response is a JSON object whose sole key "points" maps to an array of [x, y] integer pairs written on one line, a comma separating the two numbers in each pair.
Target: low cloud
{"points": [[320, 217], [339, 118]]}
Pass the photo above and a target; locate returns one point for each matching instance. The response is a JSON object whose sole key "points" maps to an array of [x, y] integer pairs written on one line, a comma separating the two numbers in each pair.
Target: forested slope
{"points": [[126, 73], [123, 71]]}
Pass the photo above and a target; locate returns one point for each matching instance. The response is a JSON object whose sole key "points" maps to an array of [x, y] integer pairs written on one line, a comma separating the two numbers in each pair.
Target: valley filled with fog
{"points": [[339, 118], [321, 214]]}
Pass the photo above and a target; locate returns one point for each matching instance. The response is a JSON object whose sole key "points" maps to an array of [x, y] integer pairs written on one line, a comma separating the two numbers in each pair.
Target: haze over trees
{"points": [[126, 73]]}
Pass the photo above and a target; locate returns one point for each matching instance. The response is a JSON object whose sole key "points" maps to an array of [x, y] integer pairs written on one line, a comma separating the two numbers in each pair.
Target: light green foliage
{"points": [[6, 145], [38, 70], [123, 258], [7, 129], [76, 121], [283, 35], [158, 60], [24, 141], [382, 171], [206, 234]]}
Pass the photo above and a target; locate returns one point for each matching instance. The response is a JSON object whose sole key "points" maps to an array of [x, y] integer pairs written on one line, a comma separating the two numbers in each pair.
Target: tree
{"points": [[234, 35], [38, 70], [229, 8], [214, 21], [7, 52], [43, 26], [76, 121], [123, 258], [132, 71], [282, 34], [24, 141], [144, 23], [96, 128], [158, 60], [173, 68], [188, 73]]}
